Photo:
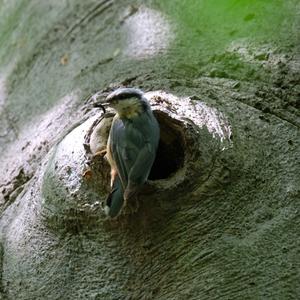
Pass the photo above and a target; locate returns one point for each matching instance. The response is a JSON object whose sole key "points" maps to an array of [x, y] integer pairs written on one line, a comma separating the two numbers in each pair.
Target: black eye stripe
{"points": [[125, 96], [144, 105]]}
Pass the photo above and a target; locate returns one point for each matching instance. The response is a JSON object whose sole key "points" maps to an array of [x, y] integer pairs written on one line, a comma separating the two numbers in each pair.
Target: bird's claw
{"points": [[130, 207], [130, 191]]}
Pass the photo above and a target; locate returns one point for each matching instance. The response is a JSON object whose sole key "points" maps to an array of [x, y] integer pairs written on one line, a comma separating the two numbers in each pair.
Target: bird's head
{"points": [[128, 102]]}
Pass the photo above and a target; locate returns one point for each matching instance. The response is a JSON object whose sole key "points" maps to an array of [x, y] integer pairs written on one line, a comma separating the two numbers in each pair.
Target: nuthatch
{"points": [[131, 147]]}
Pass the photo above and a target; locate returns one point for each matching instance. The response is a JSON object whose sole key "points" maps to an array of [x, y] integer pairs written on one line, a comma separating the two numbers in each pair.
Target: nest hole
{"points": [[170, 153]]}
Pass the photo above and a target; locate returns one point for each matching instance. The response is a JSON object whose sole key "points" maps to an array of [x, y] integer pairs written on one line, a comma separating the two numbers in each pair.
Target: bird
{"points": [[131, 147]]}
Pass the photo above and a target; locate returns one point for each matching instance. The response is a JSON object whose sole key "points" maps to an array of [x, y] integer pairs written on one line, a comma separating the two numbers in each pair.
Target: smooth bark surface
{"points": [[219, 218]]}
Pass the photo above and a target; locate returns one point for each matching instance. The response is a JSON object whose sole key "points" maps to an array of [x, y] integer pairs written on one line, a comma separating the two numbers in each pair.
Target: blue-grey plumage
{"points": [[132, 144]]}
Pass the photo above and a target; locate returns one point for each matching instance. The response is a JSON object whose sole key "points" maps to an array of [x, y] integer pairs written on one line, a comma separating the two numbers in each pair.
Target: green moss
{"points": [[219, 21]]}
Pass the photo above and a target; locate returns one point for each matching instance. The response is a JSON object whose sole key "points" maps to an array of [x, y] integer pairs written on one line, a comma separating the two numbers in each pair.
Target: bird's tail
{"points": [[115, 200]]}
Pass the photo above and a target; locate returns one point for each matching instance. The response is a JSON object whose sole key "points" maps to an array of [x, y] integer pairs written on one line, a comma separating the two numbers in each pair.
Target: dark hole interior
{"points": [[170, 153]]}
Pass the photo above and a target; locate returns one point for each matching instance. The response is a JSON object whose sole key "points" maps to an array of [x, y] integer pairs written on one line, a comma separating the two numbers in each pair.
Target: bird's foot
{"points": [[131, 191], [131, 206]]}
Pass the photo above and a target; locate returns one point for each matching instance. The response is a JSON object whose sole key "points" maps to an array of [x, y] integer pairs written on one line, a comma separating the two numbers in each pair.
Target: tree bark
{"points": [[219, 216]]}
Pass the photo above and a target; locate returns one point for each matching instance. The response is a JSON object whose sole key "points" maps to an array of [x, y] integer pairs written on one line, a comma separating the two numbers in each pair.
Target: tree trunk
{"points": [[219, 216]]}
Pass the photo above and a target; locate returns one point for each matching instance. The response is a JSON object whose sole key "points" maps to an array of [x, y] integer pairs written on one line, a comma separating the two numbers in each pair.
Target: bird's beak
{"points": [[104, 102]]}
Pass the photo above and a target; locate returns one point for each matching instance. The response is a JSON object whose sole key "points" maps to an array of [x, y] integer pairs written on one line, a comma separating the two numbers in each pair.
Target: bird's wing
{"points": [[134, 148], [116, 144], [142, 164], [148, 137]]}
